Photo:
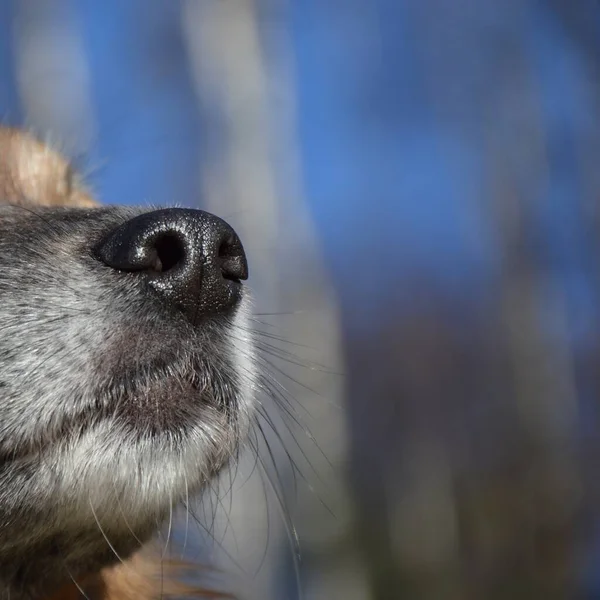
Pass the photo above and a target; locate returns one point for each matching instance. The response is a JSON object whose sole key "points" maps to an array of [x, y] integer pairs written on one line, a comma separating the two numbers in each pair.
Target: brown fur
{"points": [[142, 577], [31, 173]]}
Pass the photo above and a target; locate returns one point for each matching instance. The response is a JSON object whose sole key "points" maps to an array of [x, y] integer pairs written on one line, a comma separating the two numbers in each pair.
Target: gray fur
{"points": [[112, 407]]}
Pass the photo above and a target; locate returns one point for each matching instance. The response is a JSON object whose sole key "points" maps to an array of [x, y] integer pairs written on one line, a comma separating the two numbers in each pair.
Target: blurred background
{"points": [[416, 183]]}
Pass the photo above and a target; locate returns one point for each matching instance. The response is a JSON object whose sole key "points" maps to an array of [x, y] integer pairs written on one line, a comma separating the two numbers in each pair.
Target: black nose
{"points": [[192, 258]]}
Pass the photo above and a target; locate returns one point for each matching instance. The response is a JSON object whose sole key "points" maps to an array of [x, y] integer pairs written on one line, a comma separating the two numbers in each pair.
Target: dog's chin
{"points": [[174, 423], [120, 480], [99, 495]]}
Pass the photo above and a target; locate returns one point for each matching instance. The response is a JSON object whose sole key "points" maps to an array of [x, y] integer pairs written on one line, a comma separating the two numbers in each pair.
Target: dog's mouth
{"points": [[167, 406], [170, 405]]}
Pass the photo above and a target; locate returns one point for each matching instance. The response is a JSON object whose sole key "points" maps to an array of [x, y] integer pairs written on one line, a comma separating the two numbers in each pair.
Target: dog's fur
{"points": [[112, 410]]}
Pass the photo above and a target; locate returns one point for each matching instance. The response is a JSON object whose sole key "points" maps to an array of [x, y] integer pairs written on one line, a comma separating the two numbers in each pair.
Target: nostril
{"points": [[227, 248], [170, 251], [230, 260]]}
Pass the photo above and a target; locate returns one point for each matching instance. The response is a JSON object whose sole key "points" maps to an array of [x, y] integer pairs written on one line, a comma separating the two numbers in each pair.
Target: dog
{"points": [[127, 378]]}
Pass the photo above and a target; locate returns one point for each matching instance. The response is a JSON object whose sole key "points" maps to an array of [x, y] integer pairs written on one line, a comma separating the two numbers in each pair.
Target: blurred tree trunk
{"points": [[465, 456]]}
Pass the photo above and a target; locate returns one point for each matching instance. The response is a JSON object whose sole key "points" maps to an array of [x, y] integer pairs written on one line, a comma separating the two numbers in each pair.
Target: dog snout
{"points": [[193, 259]]}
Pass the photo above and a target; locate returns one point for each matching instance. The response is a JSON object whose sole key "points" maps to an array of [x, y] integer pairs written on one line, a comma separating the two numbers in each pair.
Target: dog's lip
{"points": [[79, 423]]}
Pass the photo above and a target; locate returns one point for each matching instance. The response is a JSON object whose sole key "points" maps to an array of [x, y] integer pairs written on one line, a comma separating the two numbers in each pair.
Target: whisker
{"points": [[268, 517], [104, 534], [169, 527], [294, 469], [290, 530], [281, 314], [292, 359], [285, 412], [187, 514], [203, 527], [123, 514], [79, 588]]}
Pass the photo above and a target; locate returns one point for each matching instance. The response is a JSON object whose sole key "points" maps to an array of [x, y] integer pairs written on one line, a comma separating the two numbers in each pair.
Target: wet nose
{"points": [[193, 259]]}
